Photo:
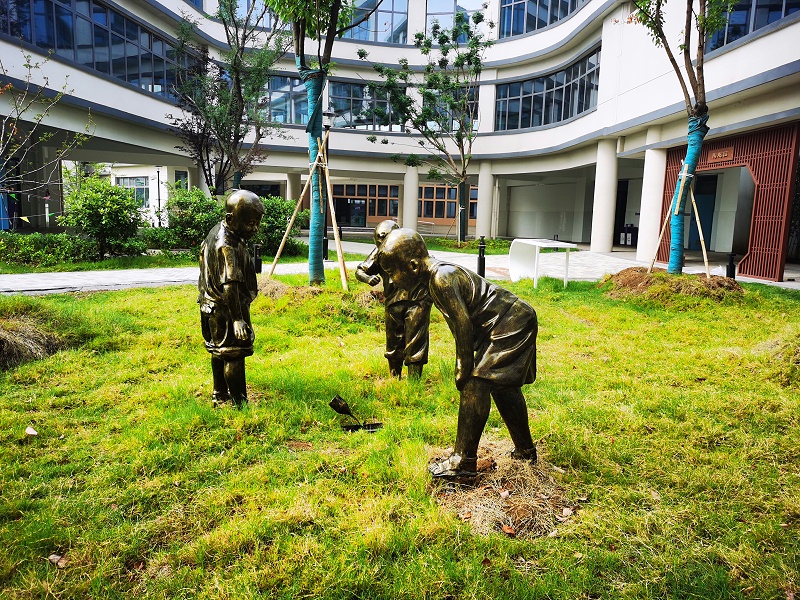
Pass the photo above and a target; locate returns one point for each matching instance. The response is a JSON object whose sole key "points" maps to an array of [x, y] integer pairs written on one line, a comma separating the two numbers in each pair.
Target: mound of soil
{"points": [[511, 497], [274, 289], [637, 281], [22, 339]]}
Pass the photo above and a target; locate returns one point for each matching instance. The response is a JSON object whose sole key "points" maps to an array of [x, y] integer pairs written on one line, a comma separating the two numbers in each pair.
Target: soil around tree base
{"points": [[636, 281]]}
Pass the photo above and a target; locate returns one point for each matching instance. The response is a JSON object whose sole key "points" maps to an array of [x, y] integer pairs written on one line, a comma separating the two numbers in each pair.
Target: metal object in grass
{"points": [[340, 405]]}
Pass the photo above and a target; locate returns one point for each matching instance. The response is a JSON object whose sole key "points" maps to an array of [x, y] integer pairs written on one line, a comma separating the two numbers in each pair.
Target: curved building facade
{"points": [[580, 119]]}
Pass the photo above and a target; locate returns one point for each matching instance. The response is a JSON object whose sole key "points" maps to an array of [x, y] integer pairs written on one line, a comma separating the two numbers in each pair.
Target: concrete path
{"points": [[583, 265]]}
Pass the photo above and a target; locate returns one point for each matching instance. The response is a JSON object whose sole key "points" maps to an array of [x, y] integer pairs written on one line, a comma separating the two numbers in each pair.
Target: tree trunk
{"points": [[697, 131], [237, 180], [463, 210], [314, 81]]}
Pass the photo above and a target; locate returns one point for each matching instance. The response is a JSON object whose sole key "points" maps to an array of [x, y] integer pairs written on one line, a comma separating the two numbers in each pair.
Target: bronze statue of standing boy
{"points": [[226, 288], [495, 334]]}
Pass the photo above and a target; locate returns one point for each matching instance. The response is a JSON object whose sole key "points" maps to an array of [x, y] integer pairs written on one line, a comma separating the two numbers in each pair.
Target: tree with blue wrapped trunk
{"points": [[321, 21], [708, 17]]}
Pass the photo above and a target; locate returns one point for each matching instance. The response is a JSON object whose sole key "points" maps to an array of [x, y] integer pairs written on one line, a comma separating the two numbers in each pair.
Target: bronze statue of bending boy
{"points": [[408, 313], [495, 336], [226, 287]]}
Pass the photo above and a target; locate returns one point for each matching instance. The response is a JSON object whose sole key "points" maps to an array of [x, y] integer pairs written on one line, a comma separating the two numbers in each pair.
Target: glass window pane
{"points": [[83, 42], [99, 14], [64, 33], [44, 24], [101, 52]]}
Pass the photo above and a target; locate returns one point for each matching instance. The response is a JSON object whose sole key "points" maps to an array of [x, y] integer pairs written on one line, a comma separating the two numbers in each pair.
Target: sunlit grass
{"points": [[678, 430]]}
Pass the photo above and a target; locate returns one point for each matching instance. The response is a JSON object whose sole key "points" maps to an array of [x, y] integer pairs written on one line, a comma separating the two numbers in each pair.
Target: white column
{"points": [[605, 197], [293, 187], [483, 224], [655, 168], [579, 210], [410, 197]]}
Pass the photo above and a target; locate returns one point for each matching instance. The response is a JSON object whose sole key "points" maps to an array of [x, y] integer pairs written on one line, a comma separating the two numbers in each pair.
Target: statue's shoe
{"points": [[454, 467], [529, 454]]}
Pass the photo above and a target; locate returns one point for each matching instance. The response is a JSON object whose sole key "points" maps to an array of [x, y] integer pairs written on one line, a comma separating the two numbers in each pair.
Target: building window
{"points": [[97, 37], [441, 202], [140, 187], [182, 179], [747, 17], [443, 11], [288, 100], [550, 98], [522, 16], [388, 24], [358, 107], [381, 200]]}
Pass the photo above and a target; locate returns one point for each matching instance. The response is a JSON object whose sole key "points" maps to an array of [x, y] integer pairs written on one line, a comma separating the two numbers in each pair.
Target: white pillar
{"points": [[655, 169], [605, 197], [579, 210], [293, 187], [483, 224], [410, 197]]}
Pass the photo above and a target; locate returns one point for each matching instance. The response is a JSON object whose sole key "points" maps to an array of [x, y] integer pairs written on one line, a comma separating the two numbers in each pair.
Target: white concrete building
{"points": [[581, 132]]}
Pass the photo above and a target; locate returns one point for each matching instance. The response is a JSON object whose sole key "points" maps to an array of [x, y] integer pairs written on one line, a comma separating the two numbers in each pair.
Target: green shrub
{"points": [[191, 216], [45, 249], [158, 238], [277, 213], [107, 213]]}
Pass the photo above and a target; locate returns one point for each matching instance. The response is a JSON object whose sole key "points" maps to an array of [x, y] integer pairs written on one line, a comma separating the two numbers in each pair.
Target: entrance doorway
{"points": [[350, 212], [705, 194]]}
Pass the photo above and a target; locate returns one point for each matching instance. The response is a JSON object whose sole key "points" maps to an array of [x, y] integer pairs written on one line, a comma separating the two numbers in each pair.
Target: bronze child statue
{"points": [[408, 312], [495, 335], [226, 288]]}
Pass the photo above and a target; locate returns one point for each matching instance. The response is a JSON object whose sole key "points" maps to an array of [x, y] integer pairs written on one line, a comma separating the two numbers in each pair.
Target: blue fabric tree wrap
{"points": [[697, 131], [314, 81]]}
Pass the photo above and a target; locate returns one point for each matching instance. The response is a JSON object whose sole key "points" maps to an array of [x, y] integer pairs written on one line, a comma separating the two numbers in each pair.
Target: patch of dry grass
{"points": [[22, 339], [510, 496]]}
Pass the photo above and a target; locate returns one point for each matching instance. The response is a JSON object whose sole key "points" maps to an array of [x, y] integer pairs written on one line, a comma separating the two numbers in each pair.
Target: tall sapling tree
{"points": [[701, 17], [321, 21], [442, 108], [224, 103]]}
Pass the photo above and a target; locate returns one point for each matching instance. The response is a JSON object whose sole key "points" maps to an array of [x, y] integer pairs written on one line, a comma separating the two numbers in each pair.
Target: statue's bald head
{"points": [[383, 229]]}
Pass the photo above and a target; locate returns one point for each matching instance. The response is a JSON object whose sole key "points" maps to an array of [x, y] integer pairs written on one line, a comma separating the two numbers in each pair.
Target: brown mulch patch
{"points": [[636, 281], [22, 339], [511, 497], [274, 289]]}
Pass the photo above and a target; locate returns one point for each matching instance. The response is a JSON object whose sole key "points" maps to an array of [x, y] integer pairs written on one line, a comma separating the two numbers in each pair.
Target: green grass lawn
{"points": [[674, 427]]}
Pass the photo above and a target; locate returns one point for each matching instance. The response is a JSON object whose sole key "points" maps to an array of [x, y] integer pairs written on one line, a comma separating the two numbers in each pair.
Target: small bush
{"points": [[158, 238], [107, 213], [277, 213], [191, 216], [45, 249]]}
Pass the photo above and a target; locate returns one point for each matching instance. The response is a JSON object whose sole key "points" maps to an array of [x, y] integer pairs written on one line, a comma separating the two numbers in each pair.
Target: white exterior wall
{"points": [[542, 211], [751, 84]]}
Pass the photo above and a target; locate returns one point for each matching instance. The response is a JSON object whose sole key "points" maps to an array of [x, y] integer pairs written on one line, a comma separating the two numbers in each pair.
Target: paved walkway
{"points": [[583, 265]]}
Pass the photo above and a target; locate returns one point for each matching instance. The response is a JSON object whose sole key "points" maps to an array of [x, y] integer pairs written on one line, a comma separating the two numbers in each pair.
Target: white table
{"points": [[523, 258]]}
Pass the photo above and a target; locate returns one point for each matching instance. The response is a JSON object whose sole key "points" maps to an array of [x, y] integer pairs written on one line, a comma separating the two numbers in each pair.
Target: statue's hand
{"points": [[374, 280], [241, 330]]}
